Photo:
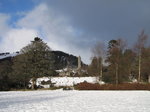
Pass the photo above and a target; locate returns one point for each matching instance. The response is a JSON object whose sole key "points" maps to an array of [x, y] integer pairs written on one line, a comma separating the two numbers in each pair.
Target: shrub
{"points": [[125, 86]]}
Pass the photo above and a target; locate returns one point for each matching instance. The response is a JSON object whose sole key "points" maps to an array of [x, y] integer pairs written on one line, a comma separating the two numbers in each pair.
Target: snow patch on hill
{"points": [[6, 55]]}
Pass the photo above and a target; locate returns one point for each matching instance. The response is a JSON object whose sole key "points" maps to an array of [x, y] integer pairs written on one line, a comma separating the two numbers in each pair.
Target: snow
{"points": [[8, 55], [75, 101], [101, 82], [66, 81], [59, 70], [62, 70]]}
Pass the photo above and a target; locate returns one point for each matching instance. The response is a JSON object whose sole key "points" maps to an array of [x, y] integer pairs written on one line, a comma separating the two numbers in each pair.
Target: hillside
{"points": [[61, 59]]}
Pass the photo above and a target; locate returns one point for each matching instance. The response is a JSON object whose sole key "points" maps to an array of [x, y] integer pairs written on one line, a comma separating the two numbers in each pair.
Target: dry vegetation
{"points": [[125, 86]]}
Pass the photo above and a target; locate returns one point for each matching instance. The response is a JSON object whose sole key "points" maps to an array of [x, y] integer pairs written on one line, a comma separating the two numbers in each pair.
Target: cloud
{"points": [[74, 26], [54, 29], [15, 39], [106, 19], [4, 27]]}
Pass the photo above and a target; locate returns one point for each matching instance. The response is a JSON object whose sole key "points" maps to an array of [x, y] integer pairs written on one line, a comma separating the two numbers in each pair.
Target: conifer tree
{"points": [[36, 60], [114, 59], [5, 72]]}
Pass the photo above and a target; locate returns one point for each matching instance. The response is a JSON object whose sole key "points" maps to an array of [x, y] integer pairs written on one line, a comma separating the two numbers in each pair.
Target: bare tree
{"points": [[98, 52], [140, 44]]}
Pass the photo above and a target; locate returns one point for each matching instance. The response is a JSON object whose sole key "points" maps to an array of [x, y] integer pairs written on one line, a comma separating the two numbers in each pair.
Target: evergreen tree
{"points": [[93, 68], [21, 70], [128, 65], [145, 70], [114, 59], [36, 60], [5, 72]]}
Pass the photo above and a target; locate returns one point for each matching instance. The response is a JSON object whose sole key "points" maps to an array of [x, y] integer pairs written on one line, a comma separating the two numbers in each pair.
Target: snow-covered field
{"points": [[75, 101]]}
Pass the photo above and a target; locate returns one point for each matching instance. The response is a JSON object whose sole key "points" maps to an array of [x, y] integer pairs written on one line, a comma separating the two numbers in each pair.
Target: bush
{"points": [[125, 86]]}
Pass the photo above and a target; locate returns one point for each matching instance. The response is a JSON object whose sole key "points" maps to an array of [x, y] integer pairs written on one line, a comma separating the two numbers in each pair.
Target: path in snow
{"points": [[75, 101]]}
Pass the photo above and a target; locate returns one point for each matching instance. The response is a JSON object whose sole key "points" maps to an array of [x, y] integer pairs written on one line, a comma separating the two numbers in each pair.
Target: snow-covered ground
{"points": [[75, 101], [66, 81]]}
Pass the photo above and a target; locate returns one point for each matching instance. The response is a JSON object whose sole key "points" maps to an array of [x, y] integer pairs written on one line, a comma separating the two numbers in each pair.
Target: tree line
{"points": [[35, 60], [115, 64], [119, 63]]}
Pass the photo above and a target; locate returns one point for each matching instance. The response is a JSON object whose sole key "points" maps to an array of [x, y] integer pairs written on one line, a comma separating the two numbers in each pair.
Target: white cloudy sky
{"points": [[41, 21], [70, 26]]}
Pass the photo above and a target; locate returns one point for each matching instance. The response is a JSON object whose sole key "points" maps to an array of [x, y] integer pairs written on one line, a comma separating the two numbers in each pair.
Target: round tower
{"points": [[79, 62]]}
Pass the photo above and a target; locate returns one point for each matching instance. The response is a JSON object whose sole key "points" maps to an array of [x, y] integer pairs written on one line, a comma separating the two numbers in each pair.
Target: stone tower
{"points": [[79, 63]]}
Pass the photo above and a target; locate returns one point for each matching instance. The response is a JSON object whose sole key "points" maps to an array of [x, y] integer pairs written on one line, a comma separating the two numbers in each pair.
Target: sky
{"points": [[72, 26]]}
